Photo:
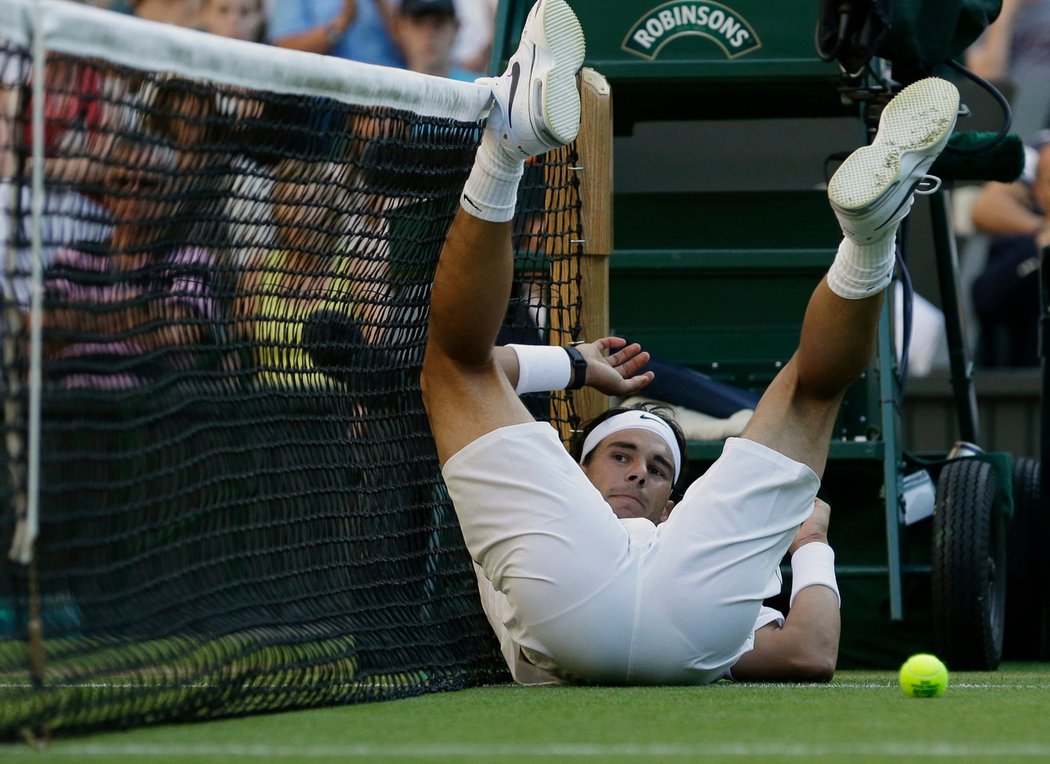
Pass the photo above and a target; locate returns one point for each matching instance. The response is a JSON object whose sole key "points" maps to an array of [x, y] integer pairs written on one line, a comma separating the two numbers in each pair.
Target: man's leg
{"points": [[728, 535], [871, 193], [465, 393], [553, 563]]}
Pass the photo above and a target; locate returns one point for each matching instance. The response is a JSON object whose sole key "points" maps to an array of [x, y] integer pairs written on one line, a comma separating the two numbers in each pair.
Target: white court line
{"points": [[728, 686], [893, 683], [494, 751], [849, 686], [197, 685]]}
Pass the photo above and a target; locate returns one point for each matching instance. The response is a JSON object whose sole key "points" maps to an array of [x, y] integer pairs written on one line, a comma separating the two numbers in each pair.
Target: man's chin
{"points": [[626, 509]]}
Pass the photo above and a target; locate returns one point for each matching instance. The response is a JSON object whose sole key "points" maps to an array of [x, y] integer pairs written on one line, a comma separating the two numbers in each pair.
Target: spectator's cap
{"points": [[419, 7]]}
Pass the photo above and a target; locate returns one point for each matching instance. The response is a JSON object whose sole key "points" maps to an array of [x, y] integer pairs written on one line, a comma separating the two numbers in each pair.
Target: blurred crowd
{"points": [[189, 228], [445, 38], [1010, 224], [1002, 227]]}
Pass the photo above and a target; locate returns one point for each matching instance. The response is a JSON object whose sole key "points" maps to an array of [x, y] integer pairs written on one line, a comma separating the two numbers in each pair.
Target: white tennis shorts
{"points": [[590, 602]]}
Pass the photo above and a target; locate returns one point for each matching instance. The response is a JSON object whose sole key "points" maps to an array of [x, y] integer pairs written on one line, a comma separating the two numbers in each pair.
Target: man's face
{"points": [[634, 471]]}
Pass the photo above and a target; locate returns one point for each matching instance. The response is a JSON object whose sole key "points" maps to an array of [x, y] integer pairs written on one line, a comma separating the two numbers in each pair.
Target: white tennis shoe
{"points": [[537, 101], [876, 185]]}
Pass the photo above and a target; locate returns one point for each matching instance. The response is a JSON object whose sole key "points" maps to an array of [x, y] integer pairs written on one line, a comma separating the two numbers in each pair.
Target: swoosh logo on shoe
{"points": [[515, 73]]}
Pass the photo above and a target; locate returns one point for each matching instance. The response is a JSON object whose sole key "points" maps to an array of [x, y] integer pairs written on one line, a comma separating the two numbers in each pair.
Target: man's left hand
{"points": [[618, 372]]}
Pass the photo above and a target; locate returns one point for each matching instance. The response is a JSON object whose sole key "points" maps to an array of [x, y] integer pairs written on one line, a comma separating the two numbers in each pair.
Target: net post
{"points": [[583, 282], [594, 146], [27, 522]]}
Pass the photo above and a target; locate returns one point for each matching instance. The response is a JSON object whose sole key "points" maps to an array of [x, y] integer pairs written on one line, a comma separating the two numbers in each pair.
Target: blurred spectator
{"points": [[182, 13], [151, 302], [1006, 291], [240, 19], [477, 24], [426, 30], [199, 124], [1014, 54], [80, 120], [354, 29], [1012, 209], [12, 80], [321, 287]]}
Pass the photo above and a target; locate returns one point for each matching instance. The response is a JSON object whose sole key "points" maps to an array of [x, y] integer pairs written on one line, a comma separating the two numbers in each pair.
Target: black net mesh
{"points": [[240, 506]]}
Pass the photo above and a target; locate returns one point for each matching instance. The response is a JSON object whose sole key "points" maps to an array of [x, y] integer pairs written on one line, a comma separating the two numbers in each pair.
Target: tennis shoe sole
{"points": [[874, 188]]}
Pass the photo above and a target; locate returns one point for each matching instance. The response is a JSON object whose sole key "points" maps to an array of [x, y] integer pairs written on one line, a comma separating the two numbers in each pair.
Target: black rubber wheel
{"points": [[969, 567], [1025, 587]]}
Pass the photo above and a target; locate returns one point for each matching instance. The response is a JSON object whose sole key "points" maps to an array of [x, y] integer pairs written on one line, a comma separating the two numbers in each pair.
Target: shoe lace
{"points": [[928, 185]]}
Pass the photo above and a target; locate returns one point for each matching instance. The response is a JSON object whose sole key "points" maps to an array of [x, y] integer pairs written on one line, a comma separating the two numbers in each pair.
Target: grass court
{"points": [[862, 716]]}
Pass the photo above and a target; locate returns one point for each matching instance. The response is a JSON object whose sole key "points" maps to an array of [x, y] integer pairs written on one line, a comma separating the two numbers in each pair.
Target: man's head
{"points": [[426, 31], [634, 458]]}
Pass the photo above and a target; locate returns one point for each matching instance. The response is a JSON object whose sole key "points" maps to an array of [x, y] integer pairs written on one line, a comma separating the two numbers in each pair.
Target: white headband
{"points": [[635, 419]]}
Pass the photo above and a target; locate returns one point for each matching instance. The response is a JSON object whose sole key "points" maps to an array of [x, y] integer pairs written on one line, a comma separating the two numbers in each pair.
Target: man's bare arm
{"points": [[1005, 209], [806, 647]]}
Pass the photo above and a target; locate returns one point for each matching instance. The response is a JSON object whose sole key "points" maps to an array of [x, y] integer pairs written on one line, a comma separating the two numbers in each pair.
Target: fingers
{"points": [[627, 362], [625, 353], [609, 343], [634, 365], [623, 386], [634, 384]]}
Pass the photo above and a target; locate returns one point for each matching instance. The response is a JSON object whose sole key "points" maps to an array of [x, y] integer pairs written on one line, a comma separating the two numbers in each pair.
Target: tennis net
{"points": [[222, 494]]}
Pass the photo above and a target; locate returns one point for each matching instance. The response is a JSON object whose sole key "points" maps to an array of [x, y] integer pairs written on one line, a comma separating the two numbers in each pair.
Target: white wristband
{"points": [[813, 564], [541, 368]]}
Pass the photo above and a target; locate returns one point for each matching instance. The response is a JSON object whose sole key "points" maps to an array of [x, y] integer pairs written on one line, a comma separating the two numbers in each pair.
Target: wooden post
{"points": [[594, 146], [589, 285]]}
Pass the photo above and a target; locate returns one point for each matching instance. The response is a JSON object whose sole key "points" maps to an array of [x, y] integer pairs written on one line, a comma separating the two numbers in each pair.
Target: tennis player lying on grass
{"points": [[586, 572]]}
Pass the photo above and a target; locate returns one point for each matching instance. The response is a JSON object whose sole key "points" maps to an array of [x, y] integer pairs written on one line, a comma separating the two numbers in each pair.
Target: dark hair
{"points": [[663, 411]]}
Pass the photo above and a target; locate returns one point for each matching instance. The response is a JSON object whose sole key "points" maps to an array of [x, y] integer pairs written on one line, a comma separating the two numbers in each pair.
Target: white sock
{"points": [[862, 270], [491, 190]]}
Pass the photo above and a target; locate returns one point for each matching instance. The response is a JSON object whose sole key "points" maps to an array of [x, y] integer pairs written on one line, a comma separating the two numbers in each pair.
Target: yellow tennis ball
{"points": [[923, 676]]}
